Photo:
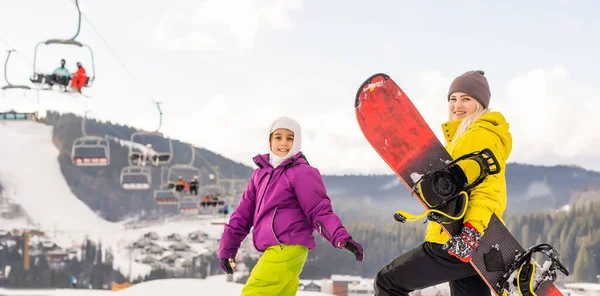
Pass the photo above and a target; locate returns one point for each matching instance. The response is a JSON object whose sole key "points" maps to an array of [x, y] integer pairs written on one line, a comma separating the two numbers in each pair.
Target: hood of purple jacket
{"points": [[282, 205]]}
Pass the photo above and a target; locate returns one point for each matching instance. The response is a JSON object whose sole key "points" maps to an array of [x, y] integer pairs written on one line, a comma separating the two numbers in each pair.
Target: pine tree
{"points": [[585, 267]]}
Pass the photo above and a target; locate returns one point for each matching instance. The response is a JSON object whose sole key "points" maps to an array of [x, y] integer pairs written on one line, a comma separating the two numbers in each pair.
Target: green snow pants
{"points": [[277, 272]]}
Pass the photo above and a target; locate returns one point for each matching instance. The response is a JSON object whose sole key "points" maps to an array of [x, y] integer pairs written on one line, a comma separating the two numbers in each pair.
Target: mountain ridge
{"points": [[530, 187]]}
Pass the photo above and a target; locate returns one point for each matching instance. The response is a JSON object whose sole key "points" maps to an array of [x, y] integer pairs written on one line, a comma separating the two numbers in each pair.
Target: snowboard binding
{"points": [[439, 188], [522, 273]]}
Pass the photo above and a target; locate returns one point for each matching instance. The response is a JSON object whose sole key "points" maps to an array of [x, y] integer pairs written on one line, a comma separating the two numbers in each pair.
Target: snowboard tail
{"points": [[400, 135]]}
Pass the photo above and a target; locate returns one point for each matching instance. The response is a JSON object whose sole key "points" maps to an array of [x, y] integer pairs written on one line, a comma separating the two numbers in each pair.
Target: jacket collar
{"points": [[262, 160], [449, 128]]}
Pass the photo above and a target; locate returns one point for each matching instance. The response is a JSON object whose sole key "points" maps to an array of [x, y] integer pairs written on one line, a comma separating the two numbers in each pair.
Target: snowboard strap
{"points": [[525, 281], [436, 215], [437, 189]]}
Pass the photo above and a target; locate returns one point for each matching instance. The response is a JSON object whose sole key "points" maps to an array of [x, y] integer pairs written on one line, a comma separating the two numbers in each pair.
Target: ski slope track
{"points": [[31, 176]]}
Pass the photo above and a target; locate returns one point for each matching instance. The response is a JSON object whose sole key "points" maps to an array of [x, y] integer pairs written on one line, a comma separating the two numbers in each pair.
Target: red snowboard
{"points": [[397, 131]]}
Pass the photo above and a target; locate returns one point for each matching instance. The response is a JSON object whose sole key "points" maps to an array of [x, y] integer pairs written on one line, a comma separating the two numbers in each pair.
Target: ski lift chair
{"points": [[165, 197], [193, 171], [42, 79], [188, 206], [212, 191], [136, 178], [90, 151], [13, 115], [163, 157]]}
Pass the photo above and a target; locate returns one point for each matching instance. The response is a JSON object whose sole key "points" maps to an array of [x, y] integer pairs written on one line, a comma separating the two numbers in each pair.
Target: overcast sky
{"points": [[225, 68]]}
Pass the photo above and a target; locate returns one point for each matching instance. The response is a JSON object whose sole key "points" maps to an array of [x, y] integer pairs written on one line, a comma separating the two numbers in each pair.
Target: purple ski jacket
{"points": [[284, 205]]}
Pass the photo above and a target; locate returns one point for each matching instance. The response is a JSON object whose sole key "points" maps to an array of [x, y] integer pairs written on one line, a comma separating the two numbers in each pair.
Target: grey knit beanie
{"points": [[474, 84]]}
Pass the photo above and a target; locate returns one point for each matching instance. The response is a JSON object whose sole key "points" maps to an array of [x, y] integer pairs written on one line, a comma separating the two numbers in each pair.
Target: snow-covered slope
{"points": [[31, 176], [214, 285]]}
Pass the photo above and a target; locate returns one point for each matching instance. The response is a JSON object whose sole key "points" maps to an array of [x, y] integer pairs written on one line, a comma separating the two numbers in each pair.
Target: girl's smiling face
{"points": [[282, 140]]}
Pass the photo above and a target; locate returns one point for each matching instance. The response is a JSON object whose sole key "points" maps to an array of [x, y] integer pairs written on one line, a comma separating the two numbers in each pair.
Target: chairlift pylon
{"points": [[90, 150]]}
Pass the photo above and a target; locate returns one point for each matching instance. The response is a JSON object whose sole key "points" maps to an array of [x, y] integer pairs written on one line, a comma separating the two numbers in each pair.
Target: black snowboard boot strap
{"points": [[526, 268], [448, 184], [525, 279]]}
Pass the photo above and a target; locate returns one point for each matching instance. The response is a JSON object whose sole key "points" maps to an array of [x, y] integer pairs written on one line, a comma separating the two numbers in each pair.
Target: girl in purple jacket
{"points": [[284, 202]]}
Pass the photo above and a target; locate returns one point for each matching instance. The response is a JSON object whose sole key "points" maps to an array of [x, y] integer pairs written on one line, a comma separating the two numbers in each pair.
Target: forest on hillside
{"points": [[574, 234], [92, 269]]}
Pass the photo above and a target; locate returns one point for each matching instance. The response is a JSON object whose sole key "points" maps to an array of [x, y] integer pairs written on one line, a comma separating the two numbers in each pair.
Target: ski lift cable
{"points": [[129, 73], [212, 167]]}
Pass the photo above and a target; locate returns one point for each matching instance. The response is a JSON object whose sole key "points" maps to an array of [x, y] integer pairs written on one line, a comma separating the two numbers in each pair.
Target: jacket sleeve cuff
{"points": [[340, 238], [477, 225], [227, 254]]}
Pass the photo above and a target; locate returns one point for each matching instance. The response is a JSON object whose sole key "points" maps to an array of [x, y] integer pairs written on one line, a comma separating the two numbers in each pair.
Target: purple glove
{"points": [[463, 245], [354, 247], [227, 265]]}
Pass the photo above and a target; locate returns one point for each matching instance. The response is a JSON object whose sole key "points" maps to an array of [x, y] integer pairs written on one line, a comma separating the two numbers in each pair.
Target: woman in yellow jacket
{"points": [[471, 127]]}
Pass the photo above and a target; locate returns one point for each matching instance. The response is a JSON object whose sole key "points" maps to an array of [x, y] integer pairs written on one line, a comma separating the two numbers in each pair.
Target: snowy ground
{"points": [[214, 285], [31, 176]]}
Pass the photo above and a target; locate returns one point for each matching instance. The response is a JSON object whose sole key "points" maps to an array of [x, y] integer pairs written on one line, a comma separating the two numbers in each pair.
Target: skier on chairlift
{"points": [[149, 155], [79, 78], [73, 282], [180, 184], [60, 75], [194, 183]]}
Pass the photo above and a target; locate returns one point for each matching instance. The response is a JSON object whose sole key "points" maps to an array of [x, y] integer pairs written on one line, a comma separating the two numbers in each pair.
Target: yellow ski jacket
{"points": [[489, 131]]}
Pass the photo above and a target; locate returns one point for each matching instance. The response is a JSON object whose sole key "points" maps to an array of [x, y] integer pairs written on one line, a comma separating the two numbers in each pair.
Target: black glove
{"points": [[227, 265], [354, 247]]}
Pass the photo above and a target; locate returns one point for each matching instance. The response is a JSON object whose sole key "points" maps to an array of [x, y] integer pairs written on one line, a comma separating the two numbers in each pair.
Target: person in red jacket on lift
{"points": [[79, 78]]}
